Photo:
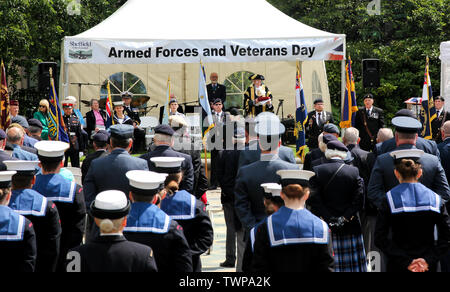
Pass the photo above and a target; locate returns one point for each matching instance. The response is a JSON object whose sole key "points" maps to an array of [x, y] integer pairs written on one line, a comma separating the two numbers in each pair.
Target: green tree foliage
{"points": [[401, 36], [31, 31]]}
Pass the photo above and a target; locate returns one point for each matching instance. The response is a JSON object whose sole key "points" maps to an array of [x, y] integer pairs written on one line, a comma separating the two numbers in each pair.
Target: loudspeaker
{"points": [[371, 73], [44, 76]]}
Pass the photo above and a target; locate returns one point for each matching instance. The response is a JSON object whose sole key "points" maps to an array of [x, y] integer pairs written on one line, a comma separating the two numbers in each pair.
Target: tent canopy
{"points": [[180, 31]]}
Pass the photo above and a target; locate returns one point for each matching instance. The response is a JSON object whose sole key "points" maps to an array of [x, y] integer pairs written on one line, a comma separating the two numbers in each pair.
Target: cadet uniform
{"points": [[67, 195], [73, 129], [292, 240], [382, 178], [17, 237], [112, 252], [406, 223], [41, 212], [252, 106], [149, 225], [189, 212]]}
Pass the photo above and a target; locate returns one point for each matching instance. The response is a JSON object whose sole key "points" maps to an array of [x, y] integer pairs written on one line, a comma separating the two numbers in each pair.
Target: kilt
{"points": [[349, 254]]}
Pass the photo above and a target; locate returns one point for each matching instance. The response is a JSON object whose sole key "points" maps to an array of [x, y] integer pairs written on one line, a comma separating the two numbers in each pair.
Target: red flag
{"points": [[4, 101]]}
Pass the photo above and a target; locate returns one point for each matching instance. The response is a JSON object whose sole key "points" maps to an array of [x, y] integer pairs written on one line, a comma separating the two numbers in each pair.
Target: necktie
{"points": [[368, 113], [320, 119]]}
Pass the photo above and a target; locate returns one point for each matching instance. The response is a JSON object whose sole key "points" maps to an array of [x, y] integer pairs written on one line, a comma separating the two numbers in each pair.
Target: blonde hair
{"points": [[108, 225], [45, 103]]}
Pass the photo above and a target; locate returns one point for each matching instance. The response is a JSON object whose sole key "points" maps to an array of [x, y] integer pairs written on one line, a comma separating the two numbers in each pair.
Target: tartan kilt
{"points": [[349, 253]]}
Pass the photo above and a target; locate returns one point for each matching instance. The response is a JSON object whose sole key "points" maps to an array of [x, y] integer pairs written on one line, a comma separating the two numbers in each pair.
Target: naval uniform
{"points": [[149, 225], [45, 218], [114, 253], [410, 212], [191, 214], [75, 137], [292, 241], [249, 102], [69, 199], [17, 242]]}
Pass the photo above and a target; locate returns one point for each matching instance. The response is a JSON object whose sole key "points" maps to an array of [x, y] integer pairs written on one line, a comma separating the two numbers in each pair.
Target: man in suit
{"points": [[382, 178], [216, 90], [163, 141], [428, 146], [315, 122], [368, 120], [108, 172], [100, 143], [252, 151], [248, 193], [218, 138], [133, 113], [441, 117], [444, 148], [95, 118]]}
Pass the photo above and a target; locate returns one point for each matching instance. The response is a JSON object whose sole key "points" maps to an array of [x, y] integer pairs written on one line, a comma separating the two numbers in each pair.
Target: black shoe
{"points": [[226, 264]]}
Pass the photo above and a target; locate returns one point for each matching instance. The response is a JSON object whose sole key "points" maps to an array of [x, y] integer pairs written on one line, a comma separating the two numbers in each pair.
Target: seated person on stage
{"points": [[95, 119], [119, 116]]}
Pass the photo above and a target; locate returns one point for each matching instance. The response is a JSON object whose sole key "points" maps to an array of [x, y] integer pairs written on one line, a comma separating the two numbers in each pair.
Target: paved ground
{"points": [[211, 262]]}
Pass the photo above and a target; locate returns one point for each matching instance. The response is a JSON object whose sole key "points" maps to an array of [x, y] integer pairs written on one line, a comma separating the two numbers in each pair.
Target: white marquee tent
{"points": [[152, 39], [445, 72]]}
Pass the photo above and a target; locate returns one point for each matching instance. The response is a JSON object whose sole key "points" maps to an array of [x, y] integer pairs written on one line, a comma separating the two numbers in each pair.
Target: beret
{"points": [[336, 145], [331, 128], [101, 136], [164, 129], [328, 138], [318, 100], [35, 123]]}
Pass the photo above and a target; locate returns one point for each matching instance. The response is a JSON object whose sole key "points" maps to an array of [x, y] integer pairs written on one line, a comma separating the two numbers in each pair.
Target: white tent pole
{"points": [[183, 84]]}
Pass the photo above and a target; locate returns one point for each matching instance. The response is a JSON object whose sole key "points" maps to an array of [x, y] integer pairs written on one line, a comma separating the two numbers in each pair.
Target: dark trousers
{"points": [[215, 156], [74, 158], [139, 140], [232, 231]]}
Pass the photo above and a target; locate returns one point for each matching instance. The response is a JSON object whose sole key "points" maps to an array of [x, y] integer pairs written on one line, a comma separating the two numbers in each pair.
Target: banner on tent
{"points": [[191, 51]]}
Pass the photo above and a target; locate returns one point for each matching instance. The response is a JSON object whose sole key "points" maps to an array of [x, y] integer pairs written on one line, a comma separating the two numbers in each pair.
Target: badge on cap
{"points": [[300, 177]]}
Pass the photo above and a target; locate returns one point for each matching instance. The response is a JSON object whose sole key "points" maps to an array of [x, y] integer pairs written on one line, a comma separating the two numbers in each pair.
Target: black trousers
{"points": [[215, 156], [74, 156], [139, 140]]}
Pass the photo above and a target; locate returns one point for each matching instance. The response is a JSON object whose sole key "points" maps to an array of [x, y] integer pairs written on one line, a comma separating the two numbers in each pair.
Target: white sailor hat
{"points": [[293, 176], [413, 154], [51, 149], [272, 188], [5, 178], [167, 164], [22, 166], [118, 103], [268, 124], [146, 182], [111, 204]]}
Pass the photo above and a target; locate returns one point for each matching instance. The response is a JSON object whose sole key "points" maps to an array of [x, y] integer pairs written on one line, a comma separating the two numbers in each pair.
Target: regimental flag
{"points": [[56, 127], [109, 108], [301, 116], [428, 111], [203, 94], [350, 106], [165, 119], [4, 101]]}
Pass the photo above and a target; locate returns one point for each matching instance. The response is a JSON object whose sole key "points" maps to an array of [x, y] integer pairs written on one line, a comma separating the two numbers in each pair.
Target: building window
{"points": [[125, 81], [236, 84], [316, 88]]}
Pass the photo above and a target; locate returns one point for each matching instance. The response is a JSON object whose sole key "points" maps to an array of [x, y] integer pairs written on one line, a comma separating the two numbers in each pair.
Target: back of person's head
{"points": [[406, 136], [4, 192], [384, 134], [15, 133], [272, 205], [120, 143], [408, 168], [172, 182], [446, 129], [294, 191], [351, 136], [22, 181], [161, 139]]}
